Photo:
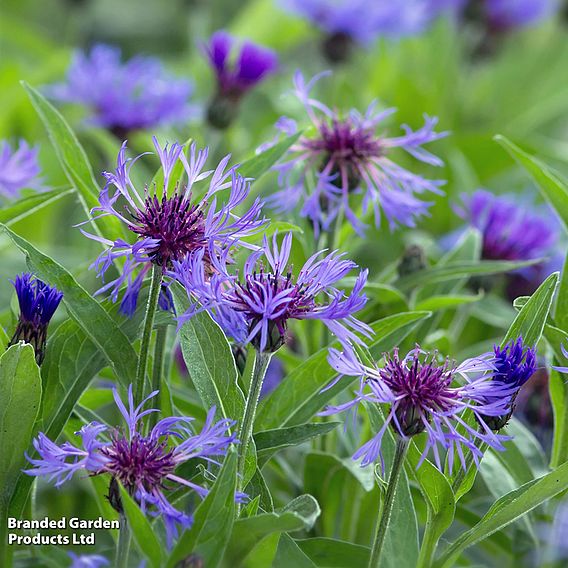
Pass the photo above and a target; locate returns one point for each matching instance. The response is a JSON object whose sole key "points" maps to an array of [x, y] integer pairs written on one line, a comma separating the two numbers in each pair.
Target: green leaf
{"points": [[85, 310], [213, 520], [330, 553], [289, 554], [20, 398], [299, 396], [561, 313], [269, 441], [552, 185], [72, 158], [18, 210], [458, 270], [144, 535], [435, 303], [261, 163], [530, 321], [209, 360], [299, 514], [508, 509]]}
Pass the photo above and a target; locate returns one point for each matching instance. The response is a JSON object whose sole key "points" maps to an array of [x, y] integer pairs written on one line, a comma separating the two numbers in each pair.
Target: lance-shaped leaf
{"points": [[29, 205]]}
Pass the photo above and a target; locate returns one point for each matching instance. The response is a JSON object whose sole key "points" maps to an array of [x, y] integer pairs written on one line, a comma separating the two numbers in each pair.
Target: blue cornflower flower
{"points": [[513, 231], [169, 226], [347, 22], [346, 156], [142, 463], [513, 365], [422, 399], [87, 560], [257, 306], [38, 302], [128, 96], [502, 15], [235, 75], [19, 169]]}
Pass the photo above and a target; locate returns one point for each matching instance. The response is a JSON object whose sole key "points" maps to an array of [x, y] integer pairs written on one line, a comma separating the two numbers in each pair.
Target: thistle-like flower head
{"points": [[124, 96], [168, 226], [19, 169], [428, 396], [257, 305], [144, 464], [347, 156], [38, 302]]}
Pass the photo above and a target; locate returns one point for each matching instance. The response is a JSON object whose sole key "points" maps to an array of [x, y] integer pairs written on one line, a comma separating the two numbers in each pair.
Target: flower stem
{"points": [[261, 362], [155, 286], [383, 522], [429, 545], [123, 545], [157, 372]]}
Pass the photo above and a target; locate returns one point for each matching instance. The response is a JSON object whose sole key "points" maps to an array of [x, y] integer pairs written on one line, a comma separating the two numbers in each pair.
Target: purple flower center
{"points": [[420, 388], [140, 462], [346, 148], [287, 300], [175, 223]]}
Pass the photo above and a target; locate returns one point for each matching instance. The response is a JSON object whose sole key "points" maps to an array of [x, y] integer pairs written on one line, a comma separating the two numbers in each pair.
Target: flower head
{"points": [[142, 463], [347, 157], [503, 15], [168, 226], [19, 169], [257, 305], [235, 74], [514, 364], [424, 399], [127, 96], [512, 231], [38, 302]]}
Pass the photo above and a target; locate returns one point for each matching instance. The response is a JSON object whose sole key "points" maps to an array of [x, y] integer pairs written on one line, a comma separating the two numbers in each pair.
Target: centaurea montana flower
{"points": [[499, 16], [513, 365], [350, 22], [143, 464], [257, 305], [168, 226], [124, 96], [346, 156], [513, 231], [38, 302], [19, 169], [235, 74], [423, 398]]}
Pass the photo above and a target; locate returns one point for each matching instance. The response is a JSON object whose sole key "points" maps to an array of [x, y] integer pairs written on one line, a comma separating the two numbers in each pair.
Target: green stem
{"points": [[155, 286], [428, 546], [261, 362], [383, 523], [158, 372], [123, 546], [462, 473]]}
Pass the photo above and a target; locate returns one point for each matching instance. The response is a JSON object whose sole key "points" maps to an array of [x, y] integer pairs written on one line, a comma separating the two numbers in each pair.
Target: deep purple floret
{"points": [[424, 398], [257, 305], [514, 364], [124, 96], [238, 72], [348, 157], [145, 464], [38, 302], [514, 231], [168, 224], [19, 169], [87, 561]]}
